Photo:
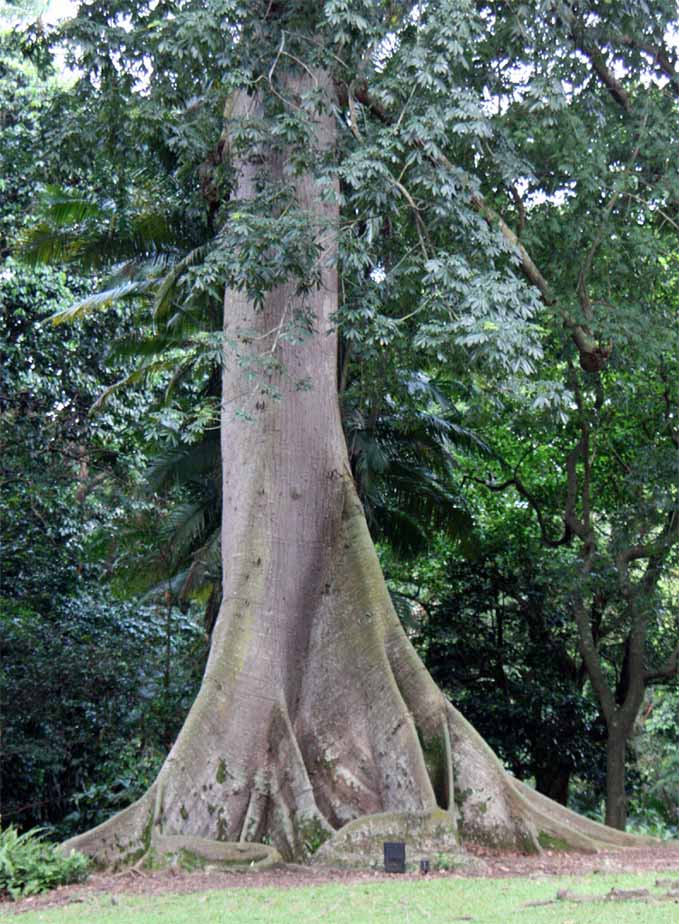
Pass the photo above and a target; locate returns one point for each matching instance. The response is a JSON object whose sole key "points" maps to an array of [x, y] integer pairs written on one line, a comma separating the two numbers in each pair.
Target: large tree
{"points": [[357, 148]]}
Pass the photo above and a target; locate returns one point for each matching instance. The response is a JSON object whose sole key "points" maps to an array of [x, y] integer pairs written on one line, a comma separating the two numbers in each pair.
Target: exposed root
{"points": [[615, 895], [360, 843], [478, 802], [255, 816], [561, 828], [200, 852], [121, 840], [350, 733], [503, 812], [296, 825], [136, 870]]}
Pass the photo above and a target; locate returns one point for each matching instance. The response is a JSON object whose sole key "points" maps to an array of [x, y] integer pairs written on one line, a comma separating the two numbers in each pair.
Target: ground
{"points": [[500, 886]]}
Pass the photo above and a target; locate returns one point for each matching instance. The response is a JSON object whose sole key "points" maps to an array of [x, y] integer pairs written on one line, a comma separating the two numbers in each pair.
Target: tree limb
{"points": [[667, 671], [597, 59], [662, 59], [589, 650], [517, 484], [600, 66]]}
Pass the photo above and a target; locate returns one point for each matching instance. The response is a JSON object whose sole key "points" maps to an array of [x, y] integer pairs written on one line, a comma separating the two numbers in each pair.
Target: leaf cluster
{"points": [[29, 864]]}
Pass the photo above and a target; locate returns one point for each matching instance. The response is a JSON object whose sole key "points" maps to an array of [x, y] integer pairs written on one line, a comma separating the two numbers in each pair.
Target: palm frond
{"points": [[406, 535], [167, 291], [188, 523], [405, 466], [100, 300], [72, 228], [136, 347], [185, 523], [186, 463], [133, 378], [67, 207]]}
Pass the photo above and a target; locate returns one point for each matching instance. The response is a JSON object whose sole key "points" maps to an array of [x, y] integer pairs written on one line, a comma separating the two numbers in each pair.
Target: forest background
{"points": [[520, 477]]}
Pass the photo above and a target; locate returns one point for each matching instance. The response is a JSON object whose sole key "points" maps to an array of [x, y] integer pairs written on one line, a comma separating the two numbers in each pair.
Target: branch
{"points": [[520, 208], [662, 59], [632, 685], [593, 356], [590, 654], [598, 62], [583, 296], [420, 227], [528, 266], [517, 484], [656, 549], [667, 671], [360, 92], [573, 522]]}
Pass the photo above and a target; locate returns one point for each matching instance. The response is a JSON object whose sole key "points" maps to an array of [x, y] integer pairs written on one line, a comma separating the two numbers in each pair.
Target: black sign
{"points": [[394, 857]]}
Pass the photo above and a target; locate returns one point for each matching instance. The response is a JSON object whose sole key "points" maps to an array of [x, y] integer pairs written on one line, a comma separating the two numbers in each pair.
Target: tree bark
{"points": [[554, 782], [616, 797], [316, 720]]}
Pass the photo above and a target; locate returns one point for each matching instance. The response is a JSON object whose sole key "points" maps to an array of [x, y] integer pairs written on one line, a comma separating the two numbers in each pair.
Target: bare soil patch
{"points": [[661, 859]]}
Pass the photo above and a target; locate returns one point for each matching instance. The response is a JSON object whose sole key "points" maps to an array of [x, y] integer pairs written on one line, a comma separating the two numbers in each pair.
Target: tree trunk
{"points": [[554, 782], [616, 797], [315, 720]]}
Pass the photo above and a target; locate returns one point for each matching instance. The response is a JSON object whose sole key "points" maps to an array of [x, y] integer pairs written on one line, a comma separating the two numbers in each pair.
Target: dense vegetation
{"points": [[95, 682], [517, 460]]}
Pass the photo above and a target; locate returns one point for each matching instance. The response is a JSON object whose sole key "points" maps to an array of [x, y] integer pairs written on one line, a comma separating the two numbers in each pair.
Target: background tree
{"points": [[502, 644], [599, 220]]}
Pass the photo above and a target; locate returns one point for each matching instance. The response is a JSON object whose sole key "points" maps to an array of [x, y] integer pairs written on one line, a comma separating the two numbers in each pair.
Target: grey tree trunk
{"points": [[316, 721]]}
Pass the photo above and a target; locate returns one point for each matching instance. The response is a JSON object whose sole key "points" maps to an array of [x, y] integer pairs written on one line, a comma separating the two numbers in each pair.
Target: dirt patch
{"points": [[174, 881]]}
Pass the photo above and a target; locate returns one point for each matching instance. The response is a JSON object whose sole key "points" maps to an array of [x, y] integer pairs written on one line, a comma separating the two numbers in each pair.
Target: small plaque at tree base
{"points": [[394, 857]]}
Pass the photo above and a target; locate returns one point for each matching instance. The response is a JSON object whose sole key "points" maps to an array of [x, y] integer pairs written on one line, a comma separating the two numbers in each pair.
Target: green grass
{"points": [[434, 901]]}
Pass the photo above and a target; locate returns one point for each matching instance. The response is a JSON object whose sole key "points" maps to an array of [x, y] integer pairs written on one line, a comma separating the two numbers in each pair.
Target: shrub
{"points": [[90, 708], [117, 782], [29, 864]]}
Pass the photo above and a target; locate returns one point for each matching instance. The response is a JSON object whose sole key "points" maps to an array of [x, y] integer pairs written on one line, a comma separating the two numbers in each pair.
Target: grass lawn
{"points": [[485, 901]]}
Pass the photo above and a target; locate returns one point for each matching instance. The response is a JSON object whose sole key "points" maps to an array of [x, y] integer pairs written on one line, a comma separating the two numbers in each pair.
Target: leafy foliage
{"points": [[654, 805], [29, 865], [24, 98], [500, 642], [86, 680], [85, 673], [401, 453]]}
